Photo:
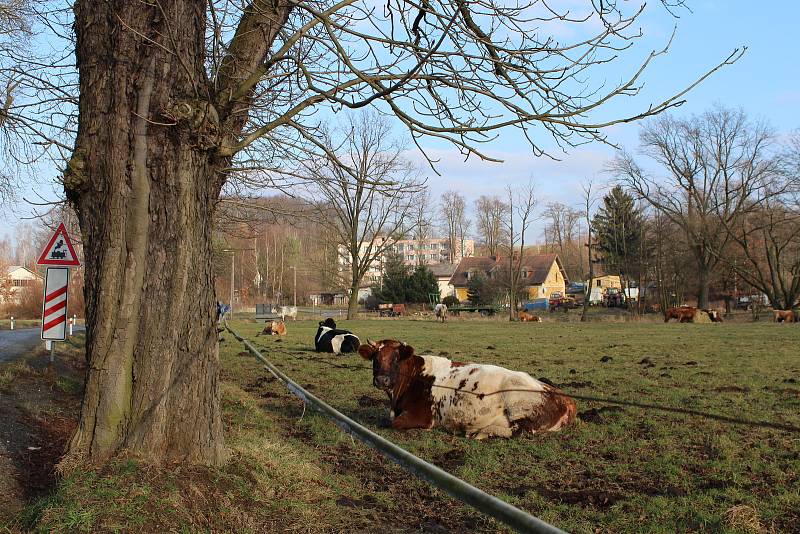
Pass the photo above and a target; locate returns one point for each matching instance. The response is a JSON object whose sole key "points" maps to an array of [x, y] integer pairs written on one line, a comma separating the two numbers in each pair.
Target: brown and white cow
{"points": [[684, 314], [529, 317], [783, 316], [714, 315], [478, 400], [273, 328]]}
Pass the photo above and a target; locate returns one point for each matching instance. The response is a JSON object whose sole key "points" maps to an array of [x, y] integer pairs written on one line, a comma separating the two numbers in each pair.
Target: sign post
{"points": [[54, 306], [59, 255]]}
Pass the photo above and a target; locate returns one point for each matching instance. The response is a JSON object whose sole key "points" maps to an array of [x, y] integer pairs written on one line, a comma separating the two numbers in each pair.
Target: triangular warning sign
{"points": [[59, 251]]}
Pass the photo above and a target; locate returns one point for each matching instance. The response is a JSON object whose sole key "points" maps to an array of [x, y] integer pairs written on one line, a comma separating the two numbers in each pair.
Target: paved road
{"points": [[15, 343]]}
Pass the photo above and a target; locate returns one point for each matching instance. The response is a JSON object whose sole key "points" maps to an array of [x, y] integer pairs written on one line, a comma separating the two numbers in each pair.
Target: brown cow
{"points": [[526, 317], [784, 316], [714, 315], [478, 400], [684, 314], [274, 328]]}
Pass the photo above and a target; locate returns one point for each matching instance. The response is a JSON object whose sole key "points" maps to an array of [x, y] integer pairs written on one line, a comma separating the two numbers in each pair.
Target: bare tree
{"points": [[561, 234], [422, 220], [173, 102], [769, 240], [452, 207], [490, 211], [588, 206], [715, 163], [15, 27], [366, 193], [767, 236], [521, 204]]}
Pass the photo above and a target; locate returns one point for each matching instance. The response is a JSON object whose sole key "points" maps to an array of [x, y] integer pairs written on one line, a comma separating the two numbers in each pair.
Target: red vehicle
{"points": [[559, 300], [391, 310]]}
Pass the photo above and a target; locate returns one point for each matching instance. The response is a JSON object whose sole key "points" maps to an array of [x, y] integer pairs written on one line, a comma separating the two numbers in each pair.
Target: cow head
{"points": [[328, 323], [387, 357]]}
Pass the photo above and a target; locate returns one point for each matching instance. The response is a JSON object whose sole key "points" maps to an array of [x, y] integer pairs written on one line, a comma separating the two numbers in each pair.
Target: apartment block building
{"points": [[428, 251]]}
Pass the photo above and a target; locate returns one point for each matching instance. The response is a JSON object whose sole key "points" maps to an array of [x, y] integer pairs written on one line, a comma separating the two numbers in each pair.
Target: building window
{"points": [[598, 283]]}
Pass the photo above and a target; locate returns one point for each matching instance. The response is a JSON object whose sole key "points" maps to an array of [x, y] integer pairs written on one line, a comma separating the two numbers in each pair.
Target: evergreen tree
{"points": [[481, 290], [421, 284], [394, 281], [619, 229]]}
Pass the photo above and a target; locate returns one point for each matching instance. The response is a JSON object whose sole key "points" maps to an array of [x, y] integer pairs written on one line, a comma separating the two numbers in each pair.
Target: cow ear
{"points": [[367, 351], [406, 351]]}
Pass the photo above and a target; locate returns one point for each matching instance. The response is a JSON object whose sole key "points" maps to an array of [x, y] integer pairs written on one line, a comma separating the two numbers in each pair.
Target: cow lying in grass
{"points": [[273, 328], [330, 339], [529, 317], [478, 400], [784, 316], [684, 314]]}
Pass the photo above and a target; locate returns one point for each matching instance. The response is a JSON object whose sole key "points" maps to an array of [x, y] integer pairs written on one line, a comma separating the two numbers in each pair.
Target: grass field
{"points": [[623, 469]]}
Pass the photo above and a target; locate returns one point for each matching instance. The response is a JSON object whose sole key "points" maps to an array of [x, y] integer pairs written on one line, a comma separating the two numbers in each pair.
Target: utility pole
{"points": [[294, 296], [233, 270]]}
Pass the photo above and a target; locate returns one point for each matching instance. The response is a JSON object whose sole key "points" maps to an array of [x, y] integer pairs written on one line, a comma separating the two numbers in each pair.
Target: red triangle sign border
{"points": [[43, 260]]}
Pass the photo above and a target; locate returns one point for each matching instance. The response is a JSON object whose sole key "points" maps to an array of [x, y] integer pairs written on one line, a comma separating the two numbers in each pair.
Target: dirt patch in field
{"points": [[576, 385], [732, 389], [600, 415], [48, 439], [365, 401], [39, 408], [594, 497], [450, 460], [412, 504]]}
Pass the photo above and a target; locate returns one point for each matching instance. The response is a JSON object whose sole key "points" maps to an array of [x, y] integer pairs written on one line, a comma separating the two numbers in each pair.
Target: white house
{"points": [[14, 279], [443, 272]]}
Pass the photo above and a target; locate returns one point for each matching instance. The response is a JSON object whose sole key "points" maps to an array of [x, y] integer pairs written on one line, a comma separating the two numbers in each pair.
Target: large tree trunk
{"points": [[144, 183], [352, 303], [704, 284]]}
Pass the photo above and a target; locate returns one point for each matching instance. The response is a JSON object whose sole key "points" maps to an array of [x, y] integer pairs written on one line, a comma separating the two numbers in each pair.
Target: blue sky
{"points": [[765, 83]]}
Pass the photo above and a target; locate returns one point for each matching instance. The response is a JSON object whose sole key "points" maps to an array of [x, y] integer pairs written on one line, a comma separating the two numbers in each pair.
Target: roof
{"points": [[537, 266], [442, 270], [11, 268], [478, 263]]}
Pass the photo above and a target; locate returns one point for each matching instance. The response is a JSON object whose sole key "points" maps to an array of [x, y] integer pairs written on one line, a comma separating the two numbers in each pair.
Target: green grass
{"points": [[640, 469]]}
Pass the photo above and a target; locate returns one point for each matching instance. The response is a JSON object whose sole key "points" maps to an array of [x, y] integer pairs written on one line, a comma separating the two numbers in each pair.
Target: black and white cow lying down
{"points": [[330, 339]]}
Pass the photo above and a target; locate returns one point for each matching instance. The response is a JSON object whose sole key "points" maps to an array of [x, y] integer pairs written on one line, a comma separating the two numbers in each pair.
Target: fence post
{"points": [[12, 323]]}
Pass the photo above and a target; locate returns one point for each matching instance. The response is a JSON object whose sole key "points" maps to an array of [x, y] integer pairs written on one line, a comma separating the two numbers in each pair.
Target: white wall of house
{"points": [[18, 278], [445, 289]]}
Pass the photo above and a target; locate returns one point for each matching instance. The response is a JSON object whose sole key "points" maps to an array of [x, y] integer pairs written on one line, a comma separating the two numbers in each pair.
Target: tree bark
{"points": [[704, 284], [352, 301], [144, 182]]}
